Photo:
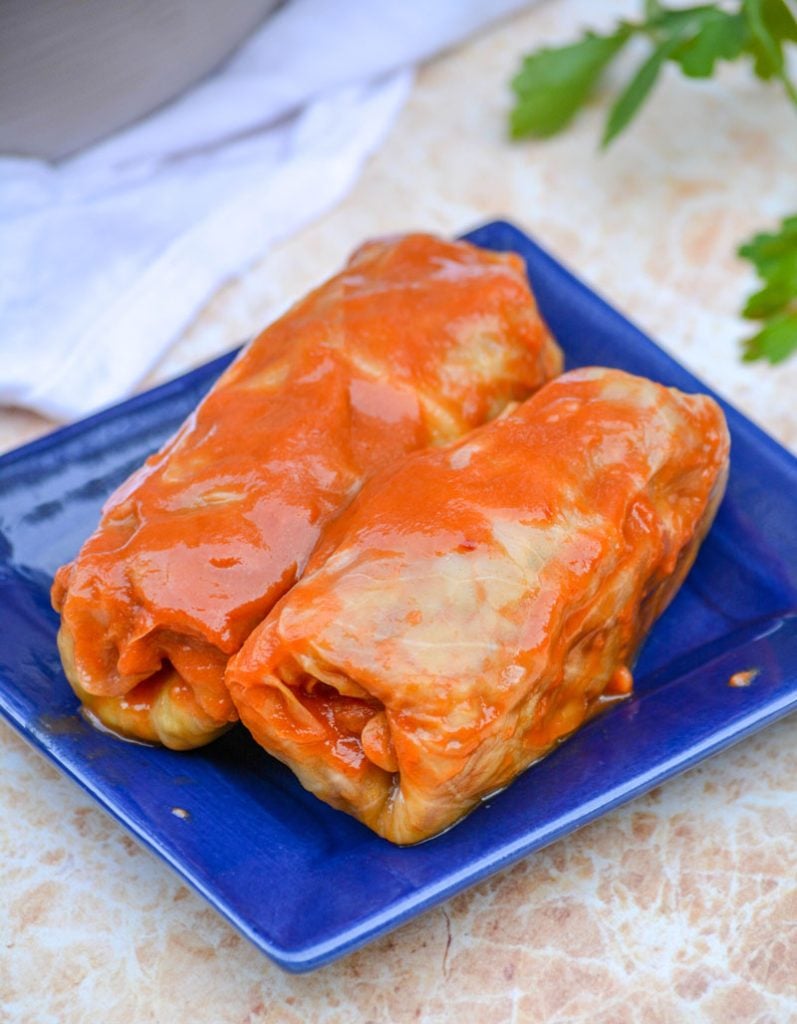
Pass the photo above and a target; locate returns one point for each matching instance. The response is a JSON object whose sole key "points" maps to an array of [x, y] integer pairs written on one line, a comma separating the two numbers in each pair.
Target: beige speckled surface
{"points": [[680, 907]]}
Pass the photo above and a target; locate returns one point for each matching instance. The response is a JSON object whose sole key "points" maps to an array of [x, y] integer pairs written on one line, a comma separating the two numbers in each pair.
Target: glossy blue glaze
{"points": [[306, 883]]}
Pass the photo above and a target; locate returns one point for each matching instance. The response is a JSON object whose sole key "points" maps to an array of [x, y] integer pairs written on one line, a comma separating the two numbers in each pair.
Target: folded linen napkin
{"points": [[107, 256]]}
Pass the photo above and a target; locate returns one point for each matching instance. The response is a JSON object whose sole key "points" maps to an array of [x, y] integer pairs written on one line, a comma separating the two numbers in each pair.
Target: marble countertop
{"points": [[681, 905]]}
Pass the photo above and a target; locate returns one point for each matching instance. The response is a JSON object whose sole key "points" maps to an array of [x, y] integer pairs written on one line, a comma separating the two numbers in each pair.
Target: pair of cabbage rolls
{"points": [[407, 577]]}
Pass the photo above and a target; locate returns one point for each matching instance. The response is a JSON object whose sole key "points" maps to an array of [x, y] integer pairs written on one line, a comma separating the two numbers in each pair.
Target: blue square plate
{"points": [[304, 882]]}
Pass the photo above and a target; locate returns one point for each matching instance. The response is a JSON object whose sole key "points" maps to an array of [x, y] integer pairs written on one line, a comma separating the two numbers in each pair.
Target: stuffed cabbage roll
{"points": [[477, 602], [414, 343]]}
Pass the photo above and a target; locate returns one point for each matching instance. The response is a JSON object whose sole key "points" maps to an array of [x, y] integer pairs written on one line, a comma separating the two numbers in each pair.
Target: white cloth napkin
{"points": [[107, 256]]}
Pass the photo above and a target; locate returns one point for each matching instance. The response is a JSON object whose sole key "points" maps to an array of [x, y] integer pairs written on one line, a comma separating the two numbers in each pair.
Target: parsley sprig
{"points": [[553, 83], [775, 304]]}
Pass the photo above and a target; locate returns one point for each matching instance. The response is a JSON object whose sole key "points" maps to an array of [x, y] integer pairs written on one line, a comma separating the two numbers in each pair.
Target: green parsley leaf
{"points": [[775, 342], [764, 46], [774, 256], [769, 300], [771, 252], [770, 23], [553, 83], [634, 94], [719, 36], [781, 20]]}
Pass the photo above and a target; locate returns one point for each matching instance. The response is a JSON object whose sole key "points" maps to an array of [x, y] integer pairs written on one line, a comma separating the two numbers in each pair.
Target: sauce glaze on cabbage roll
{"points": [[477, 602], [415, 342]]}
